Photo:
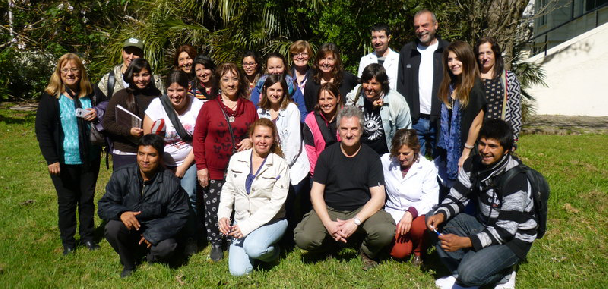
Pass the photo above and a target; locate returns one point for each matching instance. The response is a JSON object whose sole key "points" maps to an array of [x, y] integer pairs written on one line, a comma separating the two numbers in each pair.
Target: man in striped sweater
{"points": [[483, 248]]}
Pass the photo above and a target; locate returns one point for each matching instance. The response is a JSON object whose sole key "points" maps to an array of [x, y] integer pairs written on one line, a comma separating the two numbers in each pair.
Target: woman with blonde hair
{"points": [[256, 188], [462, 109], [64, 118]]}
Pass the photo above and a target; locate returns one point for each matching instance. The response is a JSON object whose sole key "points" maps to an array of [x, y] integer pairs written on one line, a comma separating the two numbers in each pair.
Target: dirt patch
{"points": [[565, 125]]}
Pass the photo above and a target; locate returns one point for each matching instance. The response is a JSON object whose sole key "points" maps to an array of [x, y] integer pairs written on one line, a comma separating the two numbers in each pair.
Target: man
{"points": [[419, 76], [483, 249], [383, 55], [113, 81], [145, 206], [347, 195]]}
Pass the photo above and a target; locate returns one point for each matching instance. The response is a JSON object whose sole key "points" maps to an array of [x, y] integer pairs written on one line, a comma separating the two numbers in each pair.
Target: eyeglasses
{"points": [[301, 54], [249, 64], [73, 70]]}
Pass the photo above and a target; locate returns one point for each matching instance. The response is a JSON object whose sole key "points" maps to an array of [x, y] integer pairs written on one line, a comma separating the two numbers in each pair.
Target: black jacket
{"points": [[407, 78], [163, 202], [311, 90], [49, 131]]}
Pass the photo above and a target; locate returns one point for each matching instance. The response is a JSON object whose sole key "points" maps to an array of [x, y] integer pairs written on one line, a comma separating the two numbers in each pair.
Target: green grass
{"points": [[572, 254]]}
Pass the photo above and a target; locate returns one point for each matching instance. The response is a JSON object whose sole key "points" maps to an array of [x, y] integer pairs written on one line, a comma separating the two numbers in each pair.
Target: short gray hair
{"points": [[426, 11], [349, 111]]}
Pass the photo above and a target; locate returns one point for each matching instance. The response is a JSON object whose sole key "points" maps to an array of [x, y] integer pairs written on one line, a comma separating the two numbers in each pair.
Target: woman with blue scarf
{"points": [[462, 109]]}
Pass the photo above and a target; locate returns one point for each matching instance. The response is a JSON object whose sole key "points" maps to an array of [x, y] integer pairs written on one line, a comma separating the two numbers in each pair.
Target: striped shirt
{"points": [[509, 216]]}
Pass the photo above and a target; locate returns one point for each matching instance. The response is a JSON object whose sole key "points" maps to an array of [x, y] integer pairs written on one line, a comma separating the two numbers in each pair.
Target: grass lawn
{"points": [[574, 253]]}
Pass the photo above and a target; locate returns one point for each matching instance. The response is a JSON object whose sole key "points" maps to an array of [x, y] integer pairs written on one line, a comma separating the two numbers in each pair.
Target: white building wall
{"points": [[576, 76]]}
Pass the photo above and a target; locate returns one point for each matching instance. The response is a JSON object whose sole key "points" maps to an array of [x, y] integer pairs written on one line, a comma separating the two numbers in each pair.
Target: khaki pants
{"points": [[379, 230]]}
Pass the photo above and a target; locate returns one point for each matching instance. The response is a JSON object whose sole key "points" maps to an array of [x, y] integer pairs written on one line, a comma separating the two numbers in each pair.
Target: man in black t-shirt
{"points": [[347, 195]]}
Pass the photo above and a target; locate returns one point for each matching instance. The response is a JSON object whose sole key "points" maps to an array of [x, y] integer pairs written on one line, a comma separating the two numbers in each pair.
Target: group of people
{"points": [[310, 155]]}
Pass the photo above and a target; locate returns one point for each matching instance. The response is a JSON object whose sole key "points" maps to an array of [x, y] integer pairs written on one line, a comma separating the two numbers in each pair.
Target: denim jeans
{"points": [[427, 133], [475, 268], [258, 245], [188, 182]]}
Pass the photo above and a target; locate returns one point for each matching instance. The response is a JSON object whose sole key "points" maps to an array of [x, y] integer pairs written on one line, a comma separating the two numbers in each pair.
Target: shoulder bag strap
{"points": [[183, 134], [110, 84], [503, 80], [229, 126]]}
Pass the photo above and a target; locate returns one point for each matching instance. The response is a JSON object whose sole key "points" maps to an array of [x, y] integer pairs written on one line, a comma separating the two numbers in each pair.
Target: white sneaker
{"points": [[510, 284], [445, 282]]}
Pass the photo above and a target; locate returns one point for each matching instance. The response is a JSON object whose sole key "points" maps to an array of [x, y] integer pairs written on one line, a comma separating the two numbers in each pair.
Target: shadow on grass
{"points": [[20, 117]]}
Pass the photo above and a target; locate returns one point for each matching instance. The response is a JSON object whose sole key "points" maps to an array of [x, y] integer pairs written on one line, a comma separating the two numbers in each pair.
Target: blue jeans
{"points": [[188, 183], [427, 133], [475, 268], [258, 245]]}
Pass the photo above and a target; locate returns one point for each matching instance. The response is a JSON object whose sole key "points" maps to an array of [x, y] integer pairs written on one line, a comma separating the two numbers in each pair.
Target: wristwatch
{"points": [[357, 221]]}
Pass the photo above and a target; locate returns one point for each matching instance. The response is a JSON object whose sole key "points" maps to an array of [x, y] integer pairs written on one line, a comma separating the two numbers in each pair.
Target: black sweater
{"points": [[120, 134]]}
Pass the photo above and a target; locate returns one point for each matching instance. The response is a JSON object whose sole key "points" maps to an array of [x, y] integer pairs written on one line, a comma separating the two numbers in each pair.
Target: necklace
{"points": [[354, 154]]}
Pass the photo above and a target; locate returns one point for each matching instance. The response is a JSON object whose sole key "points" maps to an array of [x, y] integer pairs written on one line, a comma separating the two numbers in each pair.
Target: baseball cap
{"points": [[133, 42]]}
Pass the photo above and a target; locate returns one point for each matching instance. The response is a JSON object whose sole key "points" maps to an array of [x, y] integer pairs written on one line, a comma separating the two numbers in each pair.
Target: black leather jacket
{"points": [[162, 202]]}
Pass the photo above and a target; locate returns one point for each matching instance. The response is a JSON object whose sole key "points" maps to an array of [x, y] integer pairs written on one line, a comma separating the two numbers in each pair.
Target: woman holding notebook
{"points": [[125, 112]]}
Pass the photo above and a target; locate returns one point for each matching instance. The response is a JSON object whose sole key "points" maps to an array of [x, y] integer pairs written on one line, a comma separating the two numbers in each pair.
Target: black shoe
{"points": [[91, 245], [216, 254], [126, 272], [68, 250]]}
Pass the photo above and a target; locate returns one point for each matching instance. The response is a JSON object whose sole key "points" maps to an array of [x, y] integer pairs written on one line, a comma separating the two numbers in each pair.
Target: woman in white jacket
{"points": [[278, 107], [257, 183], [412, 191]]}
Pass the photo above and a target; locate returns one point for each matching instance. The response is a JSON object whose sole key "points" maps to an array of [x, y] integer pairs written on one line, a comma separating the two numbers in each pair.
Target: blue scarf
{"points": [[449, 137]]}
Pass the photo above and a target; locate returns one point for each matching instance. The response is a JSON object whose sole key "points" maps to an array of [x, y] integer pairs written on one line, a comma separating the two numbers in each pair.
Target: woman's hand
{"points": [[245, 144], [235, 232], [224, 225], [203, 177], [137, 132], [92, 115], [180, 171], [54, 169], [405, 224]]}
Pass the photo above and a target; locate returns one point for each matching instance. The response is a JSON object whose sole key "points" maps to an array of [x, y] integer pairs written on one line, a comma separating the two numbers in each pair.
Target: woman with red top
{"points": [[221, 129]]}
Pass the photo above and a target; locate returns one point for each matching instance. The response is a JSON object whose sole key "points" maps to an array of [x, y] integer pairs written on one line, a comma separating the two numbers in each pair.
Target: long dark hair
{"points": [[279, 56], [178, 76], [136, 66], [464, 83], [499, 64]]}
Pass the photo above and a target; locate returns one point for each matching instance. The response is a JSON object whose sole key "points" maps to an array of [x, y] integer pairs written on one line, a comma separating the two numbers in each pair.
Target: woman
{"points": [[412, 191], [178, 156], [221, 130], [327, 68], [63, 123], [502, 89], [203, 85], [385, 111], [276, 65], [320, 130], [256, 187], [252, 65], [123, 129], [462, 109], [184, 57], [277, 107], [301, 72]]}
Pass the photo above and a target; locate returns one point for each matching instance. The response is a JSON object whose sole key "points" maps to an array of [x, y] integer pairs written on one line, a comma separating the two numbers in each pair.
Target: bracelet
{"points": [[468, 146]]}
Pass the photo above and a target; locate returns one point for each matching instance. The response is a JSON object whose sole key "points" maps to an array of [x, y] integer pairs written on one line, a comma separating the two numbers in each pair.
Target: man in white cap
{"points": [[113, 81]]}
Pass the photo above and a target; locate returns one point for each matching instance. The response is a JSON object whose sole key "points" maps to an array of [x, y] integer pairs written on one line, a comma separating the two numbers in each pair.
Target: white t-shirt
{"points": [[425, 76], [176, 150]]}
